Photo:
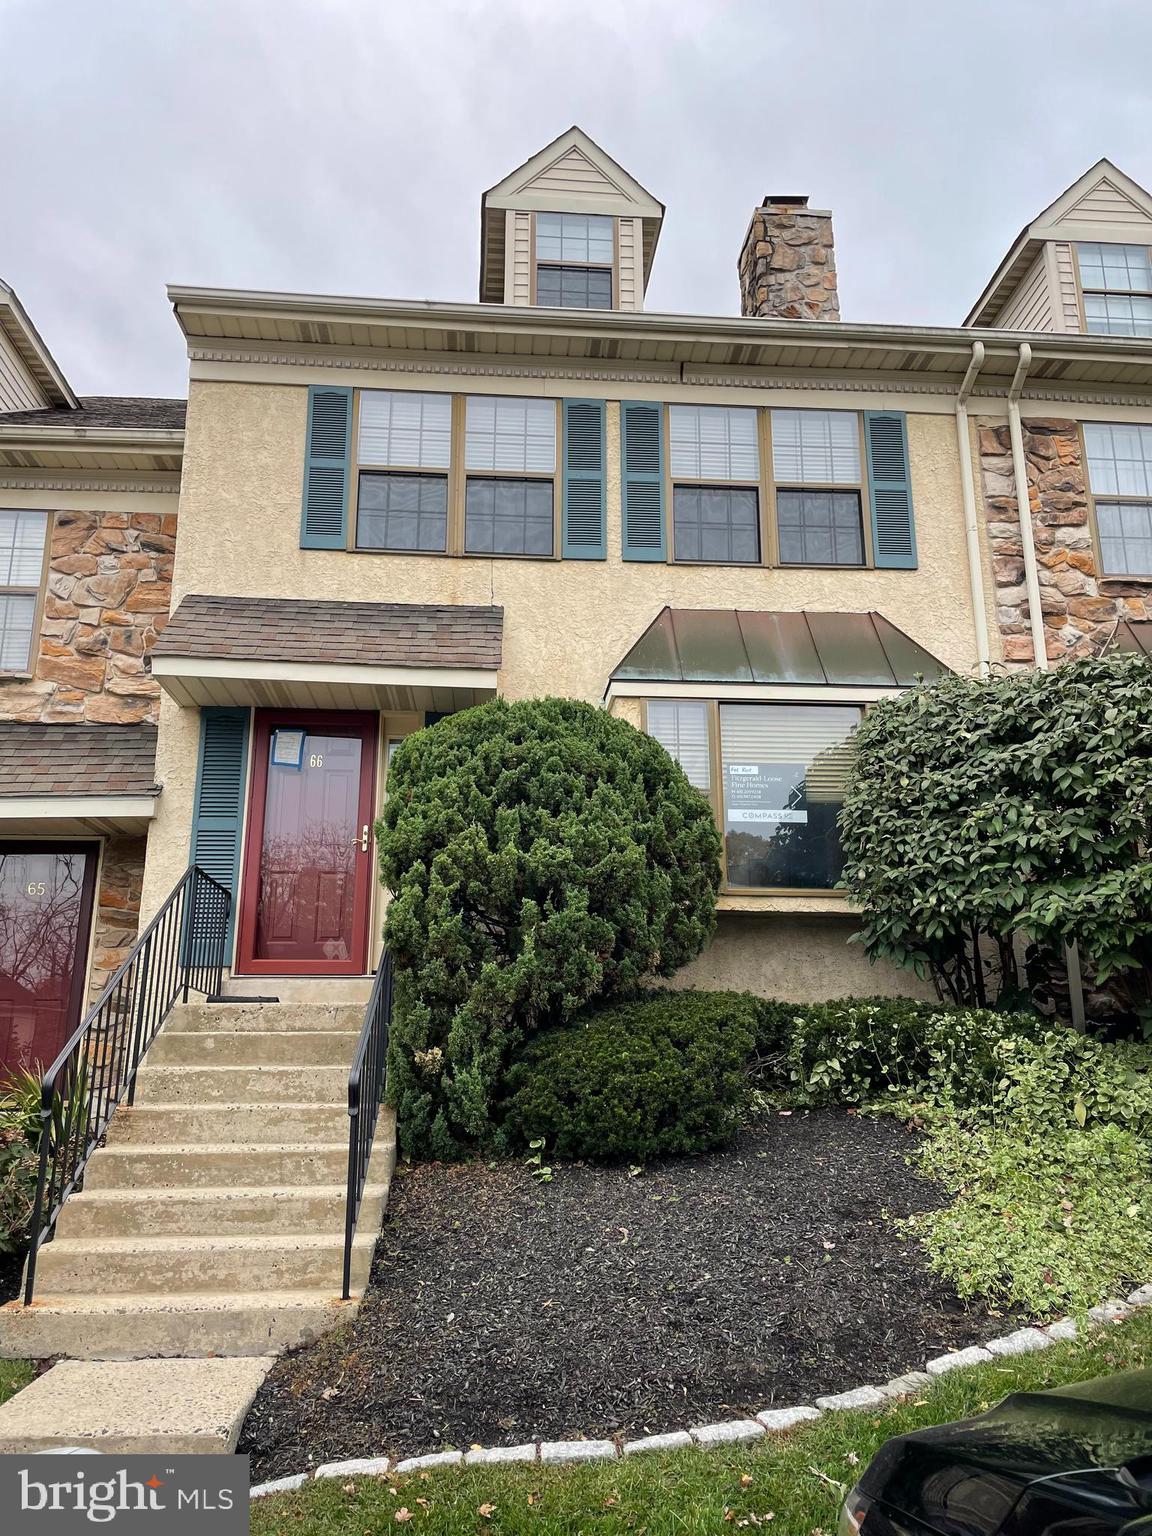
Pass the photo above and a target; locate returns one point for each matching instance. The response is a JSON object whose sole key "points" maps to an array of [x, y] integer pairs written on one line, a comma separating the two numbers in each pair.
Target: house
{"points": [[88, 498], [736, 532]]}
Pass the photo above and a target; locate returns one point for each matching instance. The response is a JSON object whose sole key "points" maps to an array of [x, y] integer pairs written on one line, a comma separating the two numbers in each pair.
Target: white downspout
{"points": [[1023, 507], [968, 494]]}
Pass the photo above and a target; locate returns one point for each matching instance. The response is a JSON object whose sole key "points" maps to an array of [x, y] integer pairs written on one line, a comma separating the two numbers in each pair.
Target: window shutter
{"points": [[890, 491], [584, 535], [324, 524], [643, 481], [219, 808]]}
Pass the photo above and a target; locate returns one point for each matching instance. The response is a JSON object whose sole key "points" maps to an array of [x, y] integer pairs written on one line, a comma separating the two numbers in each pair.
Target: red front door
{"points": [[304, 900], [45, 917]]}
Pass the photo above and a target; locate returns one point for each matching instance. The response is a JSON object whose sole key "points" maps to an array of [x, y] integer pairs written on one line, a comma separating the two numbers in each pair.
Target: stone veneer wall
{"points": [[109, 592], [1081, 608], [788, 266], [117, 907]]}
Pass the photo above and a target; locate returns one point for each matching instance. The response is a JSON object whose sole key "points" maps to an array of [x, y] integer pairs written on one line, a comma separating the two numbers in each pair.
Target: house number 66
{"points": [[316, 760]]}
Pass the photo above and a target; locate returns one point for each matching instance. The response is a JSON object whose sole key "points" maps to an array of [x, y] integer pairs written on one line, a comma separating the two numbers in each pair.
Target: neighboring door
{"points": [[306, 890], [45, 921]]}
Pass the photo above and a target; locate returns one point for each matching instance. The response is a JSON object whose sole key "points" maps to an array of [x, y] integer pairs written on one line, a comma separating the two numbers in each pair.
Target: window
{"points": [[574, 259], [1120, 479], [1117, 284], [22, 537], [505, 438], [681, 728], [712, 520], [400, 432], [813, 454]]}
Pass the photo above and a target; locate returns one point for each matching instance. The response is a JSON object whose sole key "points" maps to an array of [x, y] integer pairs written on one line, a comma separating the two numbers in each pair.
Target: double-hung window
{"points": [[1116, 281], [22, 538], [575, 254], [1120, 479], [403, 447], [510, 465], [715, 464], [816, 467], [782, 773]]}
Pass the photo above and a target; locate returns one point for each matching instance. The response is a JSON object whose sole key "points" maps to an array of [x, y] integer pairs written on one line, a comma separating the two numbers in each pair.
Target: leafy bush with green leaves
{"points": [[19, 1163], [542, 856], [662, 1075], [982, 808]]}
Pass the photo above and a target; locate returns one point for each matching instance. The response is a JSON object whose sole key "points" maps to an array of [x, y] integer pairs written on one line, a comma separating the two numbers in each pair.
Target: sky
{"points": [[342, 146]]}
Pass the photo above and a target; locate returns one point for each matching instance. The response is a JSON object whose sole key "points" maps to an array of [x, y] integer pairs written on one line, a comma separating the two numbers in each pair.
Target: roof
{"points": [[727, 645], [358, 634], [1072, 216], [26, 339], [266, 325], [128, 412], [77, 760]]}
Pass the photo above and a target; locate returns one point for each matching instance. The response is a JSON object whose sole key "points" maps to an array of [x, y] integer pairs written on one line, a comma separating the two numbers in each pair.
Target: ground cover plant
{"points": [[794, 1483], [542, 856]]}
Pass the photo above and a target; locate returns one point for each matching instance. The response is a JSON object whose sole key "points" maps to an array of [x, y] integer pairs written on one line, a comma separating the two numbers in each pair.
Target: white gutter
{"points": [[1024, 508], [968, 495]]}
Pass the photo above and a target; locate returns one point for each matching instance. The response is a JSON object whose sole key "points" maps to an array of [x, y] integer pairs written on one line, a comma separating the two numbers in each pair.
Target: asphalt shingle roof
{"points": [[359, 634], [70, 760], [138, 413]]}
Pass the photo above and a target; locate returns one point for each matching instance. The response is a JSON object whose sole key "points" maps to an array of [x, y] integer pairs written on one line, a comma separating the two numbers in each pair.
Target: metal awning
{"points": [[1135, 636], [755, 652]]}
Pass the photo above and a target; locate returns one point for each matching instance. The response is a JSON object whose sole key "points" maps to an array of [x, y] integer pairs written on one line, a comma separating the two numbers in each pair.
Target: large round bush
{"points": [[664, 1075], [541, 855]]}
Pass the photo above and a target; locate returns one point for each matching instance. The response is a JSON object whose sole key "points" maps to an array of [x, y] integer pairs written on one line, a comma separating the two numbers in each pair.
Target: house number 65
{"points": [[37, 888], [316, 760]]}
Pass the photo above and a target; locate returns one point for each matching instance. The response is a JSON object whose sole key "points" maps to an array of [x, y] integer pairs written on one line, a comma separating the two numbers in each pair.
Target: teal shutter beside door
{"points": [[328, 451], [218, 814], [642, 474], [890, 491], [584, 536]]}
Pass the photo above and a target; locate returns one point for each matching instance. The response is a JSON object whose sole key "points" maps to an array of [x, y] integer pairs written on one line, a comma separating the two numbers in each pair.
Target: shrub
{"points": [[542, 856], [18, 1168], [1014, 804], [662, 1075]]}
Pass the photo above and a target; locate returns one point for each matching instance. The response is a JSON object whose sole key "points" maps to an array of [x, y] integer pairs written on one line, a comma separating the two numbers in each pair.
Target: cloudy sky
{"points": [[341, 146]]}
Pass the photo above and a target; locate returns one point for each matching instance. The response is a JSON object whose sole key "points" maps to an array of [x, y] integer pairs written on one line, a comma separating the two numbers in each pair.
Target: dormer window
{"points": [[575, 258], [1117, 284]]}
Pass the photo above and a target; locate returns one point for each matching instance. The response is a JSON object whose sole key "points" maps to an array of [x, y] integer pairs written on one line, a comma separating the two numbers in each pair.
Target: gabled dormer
{"points": [[569, 229], [1083, 265], [30, 379]]}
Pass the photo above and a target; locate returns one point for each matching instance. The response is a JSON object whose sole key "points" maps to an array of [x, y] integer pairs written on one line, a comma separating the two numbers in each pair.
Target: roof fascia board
{"points": [[249, 669]]}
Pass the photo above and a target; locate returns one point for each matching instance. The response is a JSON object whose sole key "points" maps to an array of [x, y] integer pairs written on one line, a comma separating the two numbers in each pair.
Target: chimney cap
{"points": [[785, 201]]}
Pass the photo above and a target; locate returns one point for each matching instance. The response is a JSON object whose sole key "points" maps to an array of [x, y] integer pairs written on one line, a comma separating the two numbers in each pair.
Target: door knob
{"points": [[364, 838]]}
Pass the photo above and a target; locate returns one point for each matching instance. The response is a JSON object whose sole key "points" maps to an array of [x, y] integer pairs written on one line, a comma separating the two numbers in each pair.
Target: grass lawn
{"points": [[14, 1374], [795, 1482]]}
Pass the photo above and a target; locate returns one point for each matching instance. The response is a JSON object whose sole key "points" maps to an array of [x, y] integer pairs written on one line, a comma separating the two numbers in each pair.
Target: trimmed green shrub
{"points": [[662, 1075], [542, 855]]}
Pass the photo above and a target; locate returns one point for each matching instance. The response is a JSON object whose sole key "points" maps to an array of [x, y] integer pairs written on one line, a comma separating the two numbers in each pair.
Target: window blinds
{"points": [[405, 429], [815, 735], [682, 730]]}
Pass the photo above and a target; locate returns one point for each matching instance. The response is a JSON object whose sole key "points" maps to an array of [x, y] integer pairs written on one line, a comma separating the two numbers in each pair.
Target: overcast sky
{"points": [[341, 146]]}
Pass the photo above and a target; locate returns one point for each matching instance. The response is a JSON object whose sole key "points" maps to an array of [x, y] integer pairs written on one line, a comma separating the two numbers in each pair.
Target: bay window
{"points": [[22, 539], [1119, 456]]}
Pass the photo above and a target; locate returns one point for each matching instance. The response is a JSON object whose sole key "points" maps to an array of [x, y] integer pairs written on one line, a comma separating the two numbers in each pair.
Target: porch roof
{"points": [[1135, 636], [731, 648], [298, 653], [77, 778]]}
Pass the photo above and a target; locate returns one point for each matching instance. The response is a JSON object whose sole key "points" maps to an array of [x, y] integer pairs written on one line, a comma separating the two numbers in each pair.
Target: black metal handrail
{"points": [[180, 951], [365, 1093]]}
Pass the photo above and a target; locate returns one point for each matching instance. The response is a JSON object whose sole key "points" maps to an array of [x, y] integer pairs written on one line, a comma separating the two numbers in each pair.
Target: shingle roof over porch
{"points": [[72, 779]]}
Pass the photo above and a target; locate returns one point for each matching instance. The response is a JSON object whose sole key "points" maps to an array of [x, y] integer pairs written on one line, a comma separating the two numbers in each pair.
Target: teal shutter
{"points": [[324, 524], [643, 481], [584, 536], [218, 814], [890, 491]]}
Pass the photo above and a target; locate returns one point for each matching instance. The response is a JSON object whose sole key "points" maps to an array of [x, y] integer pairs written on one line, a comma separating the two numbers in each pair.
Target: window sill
{"points": [[835, 902], [15, 677], [1107, 582]]}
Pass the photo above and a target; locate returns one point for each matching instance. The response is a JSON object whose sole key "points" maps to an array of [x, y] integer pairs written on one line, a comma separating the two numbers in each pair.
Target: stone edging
{"points": [[771, 1421]]}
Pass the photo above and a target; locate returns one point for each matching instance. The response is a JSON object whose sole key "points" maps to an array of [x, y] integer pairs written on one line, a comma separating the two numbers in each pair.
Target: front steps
{"points": [[212, 1222]]}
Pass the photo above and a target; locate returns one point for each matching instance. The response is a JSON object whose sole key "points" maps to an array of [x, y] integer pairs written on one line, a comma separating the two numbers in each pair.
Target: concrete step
{"points": [[302, 989], [252, 1085], [167, 1407], [250, 1124], [261, 1016], [239, 1210], [207, 1166], [252, 1048], [171, 1265]]}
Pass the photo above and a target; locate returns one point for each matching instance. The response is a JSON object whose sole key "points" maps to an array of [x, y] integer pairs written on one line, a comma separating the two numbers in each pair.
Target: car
{"points": [[1072, 1461]]}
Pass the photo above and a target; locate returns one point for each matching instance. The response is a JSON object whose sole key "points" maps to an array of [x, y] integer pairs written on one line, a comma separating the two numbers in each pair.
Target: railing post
{"points": [[139, 1008], [188, 929], [38, 1204]]}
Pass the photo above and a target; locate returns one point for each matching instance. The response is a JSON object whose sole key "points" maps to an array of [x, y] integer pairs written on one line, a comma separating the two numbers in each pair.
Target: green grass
{"points": [[14, 1374], [798, 1479]]}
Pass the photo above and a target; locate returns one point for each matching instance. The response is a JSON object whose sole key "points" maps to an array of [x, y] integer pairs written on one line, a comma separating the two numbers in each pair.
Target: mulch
{"points": [[608, 1301], [11, 1274]]}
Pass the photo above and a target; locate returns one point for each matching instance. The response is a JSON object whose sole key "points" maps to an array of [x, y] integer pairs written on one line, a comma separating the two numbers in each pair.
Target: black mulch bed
{"points": [[11, 1273], [503, 1310]]}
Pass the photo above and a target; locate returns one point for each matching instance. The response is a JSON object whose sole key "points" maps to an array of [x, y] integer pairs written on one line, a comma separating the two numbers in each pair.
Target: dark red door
{"points": [[308, 863], [45, 918]]}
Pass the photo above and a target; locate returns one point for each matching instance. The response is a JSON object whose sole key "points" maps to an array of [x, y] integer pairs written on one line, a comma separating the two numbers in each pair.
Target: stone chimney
{"points": [[788, 264]]}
